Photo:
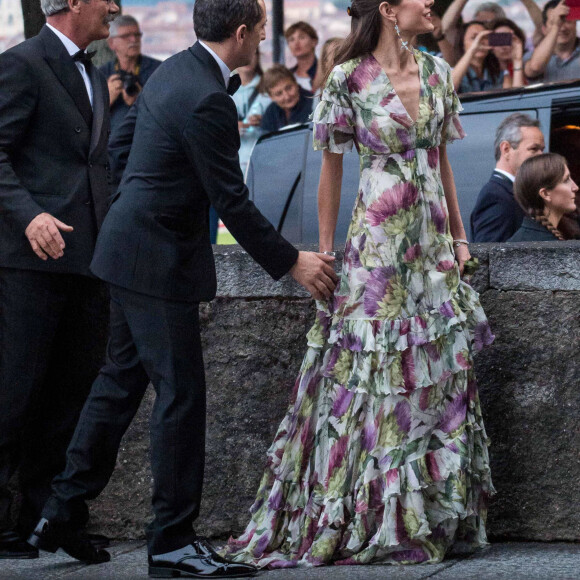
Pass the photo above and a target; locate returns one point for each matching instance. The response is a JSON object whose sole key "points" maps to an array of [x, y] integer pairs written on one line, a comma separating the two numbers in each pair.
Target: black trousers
{"points": [[52, 344], [151, 340]]}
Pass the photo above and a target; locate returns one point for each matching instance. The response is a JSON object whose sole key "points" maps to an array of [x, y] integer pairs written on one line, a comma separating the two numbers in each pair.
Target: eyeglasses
{"points": [[128, 35]]}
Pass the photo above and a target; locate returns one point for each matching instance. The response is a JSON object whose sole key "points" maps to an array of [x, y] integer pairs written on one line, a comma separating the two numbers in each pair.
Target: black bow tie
{"points": [[234, 84], [84, 57]]}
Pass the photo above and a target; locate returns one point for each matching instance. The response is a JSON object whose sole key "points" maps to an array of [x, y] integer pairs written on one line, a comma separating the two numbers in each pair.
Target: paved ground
{"points": [[508, 561]]}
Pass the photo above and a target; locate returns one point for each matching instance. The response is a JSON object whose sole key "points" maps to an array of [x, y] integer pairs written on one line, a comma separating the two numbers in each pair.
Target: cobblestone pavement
{"points": [[505, 561]]}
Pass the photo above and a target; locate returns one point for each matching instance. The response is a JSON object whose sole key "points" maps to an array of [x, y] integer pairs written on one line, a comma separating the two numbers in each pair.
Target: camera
{"points": [[130, 83]]}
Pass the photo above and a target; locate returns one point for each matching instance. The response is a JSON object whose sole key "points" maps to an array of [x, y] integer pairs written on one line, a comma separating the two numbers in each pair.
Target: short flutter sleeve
{"points": [[334, 117], [452, 128]]}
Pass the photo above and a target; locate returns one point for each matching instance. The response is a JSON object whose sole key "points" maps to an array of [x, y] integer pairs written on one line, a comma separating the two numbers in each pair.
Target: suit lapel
{"points": [[67, 73], [504, 181], [98, 108]]}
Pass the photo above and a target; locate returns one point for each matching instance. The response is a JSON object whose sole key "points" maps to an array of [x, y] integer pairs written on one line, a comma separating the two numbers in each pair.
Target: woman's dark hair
{"points": [[365, 29], [217, 20], [542, 171], [511, 25], [490, 62]]}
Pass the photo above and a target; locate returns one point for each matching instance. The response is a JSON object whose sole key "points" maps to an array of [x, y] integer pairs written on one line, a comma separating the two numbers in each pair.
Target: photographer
{"points": [[130, 70]]}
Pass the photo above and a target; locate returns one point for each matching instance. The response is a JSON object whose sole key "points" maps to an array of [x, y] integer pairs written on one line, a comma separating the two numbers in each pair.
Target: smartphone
{"points": [[499, 39], [574, 6]]}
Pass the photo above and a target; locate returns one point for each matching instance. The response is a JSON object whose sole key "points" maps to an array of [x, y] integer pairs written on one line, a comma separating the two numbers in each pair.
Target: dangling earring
{"points": [[404, 43]]}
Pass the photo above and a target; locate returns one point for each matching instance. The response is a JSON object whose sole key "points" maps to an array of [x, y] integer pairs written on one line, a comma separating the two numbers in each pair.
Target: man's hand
{"points": [[44, 236], [115, 85], [315, 272], [557, 16], [130, 99]]}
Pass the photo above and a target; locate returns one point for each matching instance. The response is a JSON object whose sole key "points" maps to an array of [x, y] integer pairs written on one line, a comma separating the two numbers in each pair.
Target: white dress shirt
{"points": [[226, 72], [508, 175], [72, 49]]}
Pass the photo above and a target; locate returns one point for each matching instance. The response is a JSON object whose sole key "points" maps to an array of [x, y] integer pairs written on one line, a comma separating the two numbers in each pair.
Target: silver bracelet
{"points": [[333, 254], [459, 242]]}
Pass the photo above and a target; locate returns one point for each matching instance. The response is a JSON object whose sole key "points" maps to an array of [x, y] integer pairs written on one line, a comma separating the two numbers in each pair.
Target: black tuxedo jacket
{"points": [[497, 215], [155, 238], [53, 152]]}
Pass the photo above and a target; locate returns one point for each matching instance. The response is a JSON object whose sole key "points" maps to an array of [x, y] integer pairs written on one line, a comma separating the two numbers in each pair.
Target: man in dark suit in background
{"points": [[53, 197], [497, 215], [154, 250]]}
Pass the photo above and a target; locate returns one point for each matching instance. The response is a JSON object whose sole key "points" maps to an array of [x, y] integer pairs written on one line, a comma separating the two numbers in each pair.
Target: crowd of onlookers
{"points": [[485, 53]]}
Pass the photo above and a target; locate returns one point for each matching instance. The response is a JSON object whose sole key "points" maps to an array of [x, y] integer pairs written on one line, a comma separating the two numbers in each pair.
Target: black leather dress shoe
{"points": [[198, 560], [12, 546], [97, 540], [50, 537]]}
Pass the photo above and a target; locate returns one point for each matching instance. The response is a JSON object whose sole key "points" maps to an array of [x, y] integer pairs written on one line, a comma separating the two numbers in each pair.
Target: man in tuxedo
{"points": [[154, 251], [497, 215], [53, 197]]}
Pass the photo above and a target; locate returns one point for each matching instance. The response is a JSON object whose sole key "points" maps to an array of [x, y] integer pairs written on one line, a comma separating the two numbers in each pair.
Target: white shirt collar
{"points": [[511, 177], [226, 72], [70, 46]]}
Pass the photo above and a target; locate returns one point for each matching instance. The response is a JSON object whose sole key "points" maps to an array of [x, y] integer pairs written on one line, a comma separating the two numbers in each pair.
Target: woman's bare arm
{"points": [[329, 198]]}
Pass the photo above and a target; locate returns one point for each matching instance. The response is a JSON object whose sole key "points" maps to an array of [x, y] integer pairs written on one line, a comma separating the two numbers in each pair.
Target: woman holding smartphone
{"points": [[508, 41]]}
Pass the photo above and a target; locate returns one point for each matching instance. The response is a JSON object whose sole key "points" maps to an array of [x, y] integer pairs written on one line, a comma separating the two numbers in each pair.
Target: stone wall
{"points": [[254, 340]]}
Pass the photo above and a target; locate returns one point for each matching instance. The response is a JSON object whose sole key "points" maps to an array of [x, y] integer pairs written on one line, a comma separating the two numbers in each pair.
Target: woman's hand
{"points": [[462, 255], [517, 51], [480, 42]]}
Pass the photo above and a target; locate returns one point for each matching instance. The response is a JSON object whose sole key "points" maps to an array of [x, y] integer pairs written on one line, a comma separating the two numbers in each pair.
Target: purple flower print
{"points": [[458, 127], [337, 454], [321, 132], [369, 139], [416, 555], [392, 476], [362, 75], [462, 361], [454, 414], [403, 119], [400, 529], [261, 545], [482, 335], [351, 342], [401, 196], [369, 436], [332, 361], [424, 398], [408, 155], [376, 288], [432, 352], [362, 243], [412, 253], [386, 100], [403, 416], [446, 309], [408, 365], [433, 80], [276, 501], [445, 265], [342, 401], [438, 216], [404, 138], [432, 467], [433, 157], [376, 489]]}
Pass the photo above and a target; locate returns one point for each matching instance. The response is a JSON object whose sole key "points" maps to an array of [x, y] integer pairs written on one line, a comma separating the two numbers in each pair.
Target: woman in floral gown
{"points": [[382, 456]]}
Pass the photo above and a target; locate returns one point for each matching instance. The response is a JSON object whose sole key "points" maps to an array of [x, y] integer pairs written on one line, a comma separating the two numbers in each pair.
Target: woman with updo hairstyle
{"points": [[382, 455], [546, 191]]}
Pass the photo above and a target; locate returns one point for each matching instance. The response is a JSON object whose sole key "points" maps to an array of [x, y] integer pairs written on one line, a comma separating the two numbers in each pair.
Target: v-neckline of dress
{"points": [[418, 60]]}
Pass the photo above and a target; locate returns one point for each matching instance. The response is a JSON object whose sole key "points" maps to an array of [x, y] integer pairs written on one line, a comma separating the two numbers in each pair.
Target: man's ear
{"points": [[111, 43], [241, 33], [74, 5], [504, 148]]}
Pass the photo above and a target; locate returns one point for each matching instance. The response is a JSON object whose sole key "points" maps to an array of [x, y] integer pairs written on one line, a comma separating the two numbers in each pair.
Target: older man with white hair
{"points": [[128, 73], [54, 122]]}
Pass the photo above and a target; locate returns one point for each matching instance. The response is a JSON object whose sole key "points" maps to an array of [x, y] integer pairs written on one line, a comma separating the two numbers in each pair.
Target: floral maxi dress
{"points": [[382, 456]]}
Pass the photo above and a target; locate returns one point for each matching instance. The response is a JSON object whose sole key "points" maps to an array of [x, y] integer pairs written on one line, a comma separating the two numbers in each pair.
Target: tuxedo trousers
{"points": [[151, 340], [53, 331]]}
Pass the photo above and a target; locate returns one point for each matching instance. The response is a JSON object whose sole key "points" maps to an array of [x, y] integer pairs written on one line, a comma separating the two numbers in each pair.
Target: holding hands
{"points": [[315, 273]]}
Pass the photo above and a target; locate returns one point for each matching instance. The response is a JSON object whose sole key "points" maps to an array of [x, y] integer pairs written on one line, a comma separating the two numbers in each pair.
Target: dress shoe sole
{"points": [[19, 556], [161, 572]]}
